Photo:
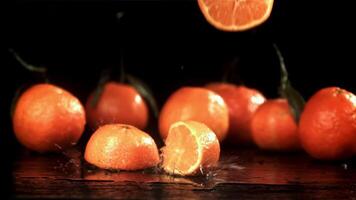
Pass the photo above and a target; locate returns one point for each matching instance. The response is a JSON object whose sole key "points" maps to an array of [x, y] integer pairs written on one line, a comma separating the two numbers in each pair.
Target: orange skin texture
{"points": [[121, 146], [327, 128], [198, 104], [274, 128], [118, 103], [242, 103], [48, 118]]}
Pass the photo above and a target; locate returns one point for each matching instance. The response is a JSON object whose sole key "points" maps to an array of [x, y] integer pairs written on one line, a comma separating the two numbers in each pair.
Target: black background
{"points": [[169, 44]]}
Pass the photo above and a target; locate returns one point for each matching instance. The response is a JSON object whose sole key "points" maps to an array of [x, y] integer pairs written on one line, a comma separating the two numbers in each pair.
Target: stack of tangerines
{"points": [[193, 122]]}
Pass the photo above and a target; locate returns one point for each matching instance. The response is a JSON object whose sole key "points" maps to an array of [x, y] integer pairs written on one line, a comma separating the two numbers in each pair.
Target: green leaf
{"points": [[105, 76], [29, 67], [144, 91], [286, 90], [119, 15], [295, 100]]}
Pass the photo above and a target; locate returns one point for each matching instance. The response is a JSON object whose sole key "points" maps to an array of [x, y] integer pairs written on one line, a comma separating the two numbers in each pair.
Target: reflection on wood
{"points": [[246, 174]]}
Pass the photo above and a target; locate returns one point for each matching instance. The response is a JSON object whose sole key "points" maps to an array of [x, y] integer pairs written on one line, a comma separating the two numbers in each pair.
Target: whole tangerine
{"points": [[327, 128], [274, 127], [48, 118], [197, 104], [118, 103], [242, 103]]}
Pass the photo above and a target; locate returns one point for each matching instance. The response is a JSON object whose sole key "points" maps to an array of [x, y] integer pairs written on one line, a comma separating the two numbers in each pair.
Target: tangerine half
{"points": [[121, 146], [235, 15], [190, 147]]}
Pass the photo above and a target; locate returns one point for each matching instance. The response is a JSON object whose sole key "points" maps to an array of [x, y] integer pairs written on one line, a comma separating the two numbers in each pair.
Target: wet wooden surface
{"points": [[242, 174]]}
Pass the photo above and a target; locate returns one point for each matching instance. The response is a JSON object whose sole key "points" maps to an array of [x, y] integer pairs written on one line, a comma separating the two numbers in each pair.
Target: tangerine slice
{"points": [[235, 15]]}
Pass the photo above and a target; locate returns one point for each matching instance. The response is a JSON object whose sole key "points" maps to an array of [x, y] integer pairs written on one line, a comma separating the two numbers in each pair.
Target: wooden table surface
{"points": [[242, 174]]}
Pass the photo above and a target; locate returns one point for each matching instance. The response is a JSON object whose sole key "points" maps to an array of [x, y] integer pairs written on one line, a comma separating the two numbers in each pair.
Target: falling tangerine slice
{"points": [[190, 147], [235, 15]]}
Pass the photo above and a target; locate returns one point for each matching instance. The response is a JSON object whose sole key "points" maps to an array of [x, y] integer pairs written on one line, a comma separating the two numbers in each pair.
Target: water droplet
{"points": [[58, 146], [119, 15], [344, 166]]}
